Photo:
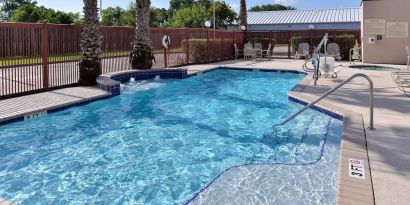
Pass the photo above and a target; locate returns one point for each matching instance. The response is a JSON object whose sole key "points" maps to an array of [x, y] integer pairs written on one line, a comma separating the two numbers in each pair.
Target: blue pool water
{"points": [[162, 141]]}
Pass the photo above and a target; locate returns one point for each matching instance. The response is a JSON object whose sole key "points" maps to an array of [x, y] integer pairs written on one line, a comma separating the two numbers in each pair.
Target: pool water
{"points": [[374, 67], [162, 141]]}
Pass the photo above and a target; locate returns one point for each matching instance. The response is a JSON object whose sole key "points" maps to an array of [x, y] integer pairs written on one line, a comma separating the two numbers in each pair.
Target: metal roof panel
{"points": [[345, 15]]}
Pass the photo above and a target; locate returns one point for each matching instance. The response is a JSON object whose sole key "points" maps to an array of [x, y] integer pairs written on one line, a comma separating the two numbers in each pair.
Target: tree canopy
{"points": [[32, 13], [181, 14], [120, 17], [8, 7], [196, 15], [271, 7]]}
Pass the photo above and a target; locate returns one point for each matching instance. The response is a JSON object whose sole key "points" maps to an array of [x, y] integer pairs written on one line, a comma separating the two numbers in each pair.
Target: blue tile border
{"points": [[111, 82], [322, 110]]}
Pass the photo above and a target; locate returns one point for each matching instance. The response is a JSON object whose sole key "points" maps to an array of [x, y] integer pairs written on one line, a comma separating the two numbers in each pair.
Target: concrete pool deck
{"points": [[388, 145]]}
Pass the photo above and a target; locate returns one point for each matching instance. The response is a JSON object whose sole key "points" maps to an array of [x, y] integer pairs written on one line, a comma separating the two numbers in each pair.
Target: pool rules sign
{"points": [[356, 168]]}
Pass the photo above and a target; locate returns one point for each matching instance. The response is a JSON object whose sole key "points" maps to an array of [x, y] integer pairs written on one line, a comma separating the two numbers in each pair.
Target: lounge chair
{"points": [[248, 51], [303, 51], [408, 56], [402, 79], [267, 53], [238, 52], [354, 53], [333, 50], [258, 49]]}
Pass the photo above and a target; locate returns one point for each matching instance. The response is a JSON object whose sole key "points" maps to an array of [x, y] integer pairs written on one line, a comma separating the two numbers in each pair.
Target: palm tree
{"points": [[141, 56], [90, 45], [243, 16]]}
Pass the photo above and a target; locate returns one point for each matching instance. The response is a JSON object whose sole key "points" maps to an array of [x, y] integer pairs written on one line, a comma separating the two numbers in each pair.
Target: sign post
{"points": [[166, 42]]}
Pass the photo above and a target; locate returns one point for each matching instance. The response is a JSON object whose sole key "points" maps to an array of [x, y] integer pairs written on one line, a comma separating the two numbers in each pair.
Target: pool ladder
{"points": [[358, 75]]}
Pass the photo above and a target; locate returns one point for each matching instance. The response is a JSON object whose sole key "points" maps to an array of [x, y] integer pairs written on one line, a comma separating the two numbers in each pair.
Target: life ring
{"points": [[166, 41]]}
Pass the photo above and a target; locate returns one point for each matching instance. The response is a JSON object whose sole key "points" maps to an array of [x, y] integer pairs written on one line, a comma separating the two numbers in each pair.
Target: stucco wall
{"points": [[387, 50]]}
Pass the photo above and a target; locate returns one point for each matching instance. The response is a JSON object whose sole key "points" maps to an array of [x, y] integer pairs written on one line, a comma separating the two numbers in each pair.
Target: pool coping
{"points": [[353, 145]]}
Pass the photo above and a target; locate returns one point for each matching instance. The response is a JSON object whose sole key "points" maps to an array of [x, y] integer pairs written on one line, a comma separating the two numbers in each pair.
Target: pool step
{"points": [[292, 145]]}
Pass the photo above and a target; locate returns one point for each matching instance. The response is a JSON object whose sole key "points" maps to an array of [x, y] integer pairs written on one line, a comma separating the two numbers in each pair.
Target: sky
{"points": [[76, 5]]}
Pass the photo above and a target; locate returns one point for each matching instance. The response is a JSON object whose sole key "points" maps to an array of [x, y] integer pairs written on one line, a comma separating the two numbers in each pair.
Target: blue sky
{"points": [[76, 5]]}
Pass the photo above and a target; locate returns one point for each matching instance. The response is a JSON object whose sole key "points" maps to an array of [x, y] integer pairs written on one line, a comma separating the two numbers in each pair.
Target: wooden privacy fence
{"points": [[40, 57]]}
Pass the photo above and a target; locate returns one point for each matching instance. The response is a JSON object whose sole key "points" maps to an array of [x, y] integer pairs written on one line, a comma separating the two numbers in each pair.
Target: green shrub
{"points": [[198, 49], [265, 42], [345, 42]]}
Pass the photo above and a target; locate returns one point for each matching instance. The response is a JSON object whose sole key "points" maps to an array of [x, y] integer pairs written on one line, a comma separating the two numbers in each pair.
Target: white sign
{"points": [[375, 26], [35, 115], [356, 168], [166, 41], [397, 29]]}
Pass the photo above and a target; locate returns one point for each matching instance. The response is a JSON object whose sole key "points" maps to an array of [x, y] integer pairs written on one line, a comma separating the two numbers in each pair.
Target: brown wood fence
{"points": [[40, 57]]}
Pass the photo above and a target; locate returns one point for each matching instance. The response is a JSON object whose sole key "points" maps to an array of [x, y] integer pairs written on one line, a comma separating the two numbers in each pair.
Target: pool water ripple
{"points": [[159, 142]]}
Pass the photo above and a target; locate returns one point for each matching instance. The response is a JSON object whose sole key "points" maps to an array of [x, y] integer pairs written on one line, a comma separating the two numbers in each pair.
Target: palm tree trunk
{"points": [[243, 15], [90, 44], [141, 56]]}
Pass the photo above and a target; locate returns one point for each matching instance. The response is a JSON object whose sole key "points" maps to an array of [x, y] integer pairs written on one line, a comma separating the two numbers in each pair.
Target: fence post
{"points": [[165, 51], [289, 43], [207, 45], [44, 54], [221, 49], [233, 43], [187, 45]]}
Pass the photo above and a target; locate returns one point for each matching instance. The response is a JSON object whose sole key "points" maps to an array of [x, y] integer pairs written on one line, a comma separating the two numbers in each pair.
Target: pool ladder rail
{"points": [[358, 75]]}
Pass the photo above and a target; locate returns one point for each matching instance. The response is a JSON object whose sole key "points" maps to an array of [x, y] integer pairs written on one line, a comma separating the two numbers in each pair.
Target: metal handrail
{"points": [[333, 90], [316, 55]]}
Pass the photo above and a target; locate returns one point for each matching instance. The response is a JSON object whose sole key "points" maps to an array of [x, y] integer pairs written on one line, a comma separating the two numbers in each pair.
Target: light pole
{"points": [[101, 9], [213, 5]]}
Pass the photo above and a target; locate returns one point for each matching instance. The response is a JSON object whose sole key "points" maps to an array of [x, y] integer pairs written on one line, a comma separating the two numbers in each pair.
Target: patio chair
{"points": [[238, 52], [333, 50], [303, 51], [248, 51], [402, 80], [267, 53], [408, 56], [354, 53], [258, 49]]}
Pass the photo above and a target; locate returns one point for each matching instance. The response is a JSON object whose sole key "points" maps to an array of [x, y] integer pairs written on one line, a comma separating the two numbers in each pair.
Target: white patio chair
{"points": [[303, 51], [402, 80], [354, 53], [258, 49], [238, 52], [333, 50], [248, 51], [267, 53]]}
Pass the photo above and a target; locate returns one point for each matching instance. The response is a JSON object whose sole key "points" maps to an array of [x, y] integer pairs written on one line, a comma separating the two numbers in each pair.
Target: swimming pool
{"points": [[374, 67], [167, 141]]}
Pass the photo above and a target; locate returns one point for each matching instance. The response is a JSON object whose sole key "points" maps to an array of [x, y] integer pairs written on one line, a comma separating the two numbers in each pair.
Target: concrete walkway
{"points": [[21, 106], [388, 144]]}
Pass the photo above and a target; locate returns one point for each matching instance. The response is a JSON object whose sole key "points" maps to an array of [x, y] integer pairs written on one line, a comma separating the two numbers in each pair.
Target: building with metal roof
{"points": [[329, 19]]}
